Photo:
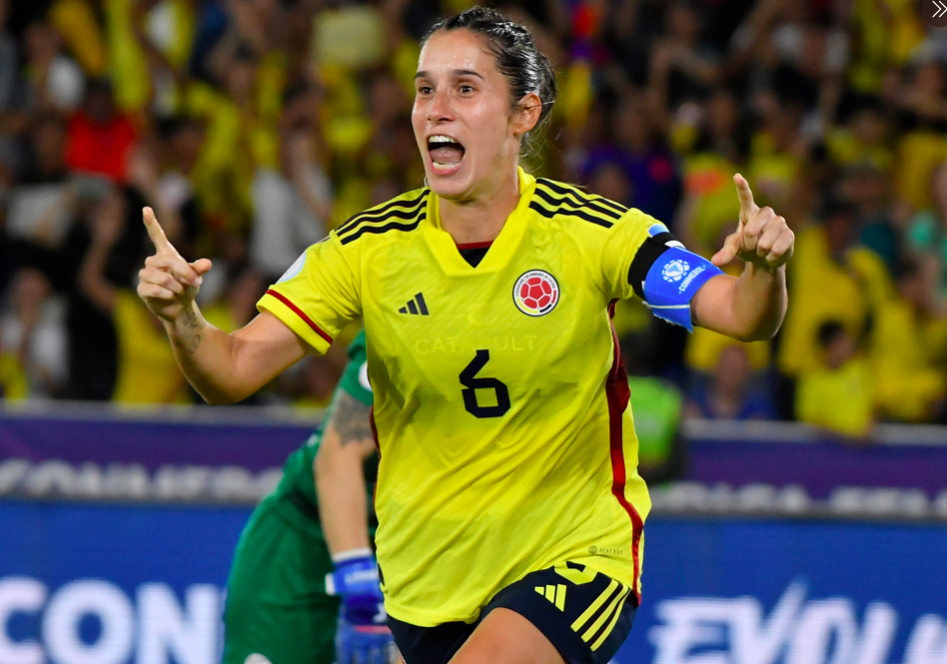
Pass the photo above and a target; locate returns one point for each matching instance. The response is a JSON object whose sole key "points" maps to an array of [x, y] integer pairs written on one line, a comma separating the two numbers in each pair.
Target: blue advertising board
{"points": [[126, 584]]}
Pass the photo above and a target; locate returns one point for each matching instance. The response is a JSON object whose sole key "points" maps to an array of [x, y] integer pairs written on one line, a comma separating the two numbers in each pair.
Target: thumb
{"points": [[202, 266], [728, 252]]}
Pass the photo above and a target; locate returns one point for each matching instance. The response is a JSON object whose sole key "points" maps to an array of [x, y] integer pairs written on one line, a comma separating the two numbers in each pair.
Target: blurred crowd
{"points": [[254, 126]]}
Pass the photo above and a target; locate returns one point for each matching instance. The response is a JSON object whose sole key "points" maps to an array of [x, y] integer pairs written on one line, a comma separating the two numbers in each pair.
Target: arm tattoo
{"points": [[350, 418], [192, 329]]}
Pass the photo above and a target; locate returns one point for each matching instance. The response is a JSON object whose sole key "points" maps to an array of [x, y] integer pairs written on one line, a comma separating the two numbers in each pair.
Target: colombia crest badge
{"points": [[536, 293]]}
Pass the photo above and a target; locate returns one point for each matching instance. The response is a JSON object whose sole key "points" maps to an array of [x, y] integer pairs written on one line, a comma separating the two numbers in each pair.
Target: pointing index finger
{"points": [[155, 232], [747, 206]]}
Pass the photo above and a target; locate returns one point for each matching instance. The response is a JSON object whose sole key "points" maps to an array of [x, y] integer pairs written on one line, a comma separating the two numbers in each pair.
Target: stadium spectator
{"points": [[926, 232], [147, 372], [837, 113], [9, 76], [245, 285], [13, 383], [54, 80], [33, 327], [909, 346], [650, 169], [42, 205], [291, 205], [730, 394], [839, 396], [833, 279], [179, 147], [100, 136]]}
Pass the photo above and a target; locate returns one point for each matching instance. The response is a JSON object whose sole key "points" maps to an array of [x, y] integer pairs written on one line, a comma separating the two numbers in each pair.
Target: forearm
{"points": [[759, 302], [205, 355], [346, 443], [343, 504]]}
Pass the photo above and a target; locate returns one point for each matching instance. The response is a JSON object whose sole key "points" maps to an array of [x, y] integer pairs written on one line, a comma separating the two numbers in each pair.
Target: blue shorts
{"points": [[584, 614]]}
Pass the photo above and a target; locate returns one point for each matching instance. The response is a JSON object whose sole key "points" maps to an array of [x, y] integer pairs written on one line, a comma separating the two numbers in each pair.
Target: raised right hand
{"points": [[168, 283]]}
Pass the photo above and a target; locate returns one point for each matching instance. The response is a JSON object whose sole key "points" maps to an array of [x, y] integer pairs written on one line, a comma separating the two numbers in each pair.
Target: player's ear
{"points": [[527, 114]]}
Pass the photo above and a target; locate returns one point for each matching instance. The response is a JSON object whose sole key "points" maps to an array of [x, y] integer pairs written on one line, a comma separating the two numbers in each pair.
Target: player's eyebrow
{"points": [[456, 72]]}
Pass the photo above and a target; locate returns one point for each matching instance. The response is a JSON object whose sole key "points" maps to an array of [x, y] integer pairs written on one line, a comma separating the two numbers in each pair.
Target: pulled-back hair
{"points": [[517, 58]]}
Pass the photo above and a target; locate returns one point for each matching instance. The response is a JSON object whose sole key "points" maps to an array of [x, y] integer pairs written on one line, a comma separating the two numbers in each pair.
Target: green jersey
{"points": [[277, 608], [298, 484]]}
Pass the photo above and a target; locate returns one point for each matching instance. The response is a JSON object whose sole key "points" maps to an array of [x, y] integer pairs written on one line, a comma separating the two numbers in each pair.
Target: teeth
{"points": [[441, 139]]}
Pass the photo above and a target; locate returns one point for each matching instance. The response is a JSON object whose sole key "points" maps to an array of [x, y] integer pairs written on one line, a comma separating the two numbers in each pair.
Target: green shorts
{"points": [[276, 600]]}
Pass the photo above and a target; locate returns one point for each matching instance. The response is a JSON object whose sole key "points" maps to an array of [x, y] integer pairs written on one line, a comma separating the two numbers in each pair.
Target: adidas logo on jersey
{"points": [[415, 306], [554, 593]]}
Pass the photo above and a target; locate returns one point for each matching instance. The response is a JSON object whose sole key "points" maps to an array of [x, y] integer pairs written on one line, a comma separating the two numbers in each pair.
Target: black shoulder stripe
{"points": [[380, 213], [377, 230], [581, 196], [394, 214], [568, 212], [552, 200]]}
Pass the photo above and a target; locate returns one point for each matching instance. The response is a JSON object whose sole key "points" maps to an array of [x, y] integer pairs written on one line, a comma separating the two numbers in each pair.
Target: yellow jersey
{"points": [[501, 405]]}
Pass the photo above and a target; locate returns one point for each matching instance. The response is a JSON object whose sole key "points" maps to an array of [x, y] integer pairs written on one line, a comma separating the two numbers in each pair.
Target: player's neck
{"points": [[482, 218]]}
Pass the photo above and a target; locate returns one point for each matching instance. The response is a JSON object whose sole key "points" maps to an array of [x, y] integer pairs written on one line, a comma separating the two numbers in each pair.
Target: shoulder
{"points": [[401, 214], [569, 203], [552, 199]]}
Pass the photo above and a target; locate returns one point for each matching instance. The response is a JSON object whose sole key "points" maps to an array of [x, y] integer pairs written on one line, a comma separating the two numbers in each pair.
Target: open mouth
{"points": [[447, 154]]}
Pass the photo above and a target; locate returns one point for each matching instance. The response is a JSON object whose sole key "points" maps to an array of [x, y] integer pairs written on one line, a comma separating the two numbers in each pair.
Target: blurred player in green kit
{"points": [[303, 588]]}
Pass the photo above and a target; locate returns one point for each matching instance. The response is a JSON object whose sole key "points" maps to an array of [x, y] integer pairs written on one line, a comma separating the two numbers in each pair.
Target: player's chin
{"points": [[451, 185]]}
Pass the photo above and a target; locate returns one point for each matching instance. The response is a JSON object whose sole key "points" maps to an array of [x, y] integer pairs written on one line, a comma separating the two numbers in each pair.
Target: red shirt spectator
{"points": [[100, 137]]}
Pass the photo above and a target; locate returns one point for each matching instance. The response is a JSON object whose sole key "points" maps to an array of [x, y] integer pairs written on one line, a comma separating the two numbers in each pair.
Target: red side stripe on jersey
{"points": [[371, 422], [616, 389], [299, 312]]}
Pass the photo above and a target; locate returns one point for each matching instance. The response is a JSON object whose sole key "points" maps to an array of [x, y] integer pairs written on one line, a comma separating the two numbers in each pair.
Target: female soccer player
{"points": [[510, 511]]}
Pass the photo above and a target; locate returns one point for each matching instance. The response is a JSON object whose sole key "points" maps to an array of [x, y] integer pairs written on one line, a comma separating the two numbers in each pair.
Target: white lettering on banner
{"points": [[164, 630], [20, 595], [878, 631], [189, 636], [66, 609], [928, 642], [716, 630], [819, 624]]}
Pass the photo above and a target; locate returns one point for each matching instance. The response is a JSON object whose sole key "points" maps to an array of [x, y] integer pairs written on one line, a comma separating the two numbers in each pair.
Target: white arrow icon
{"points": [[942, 11]]}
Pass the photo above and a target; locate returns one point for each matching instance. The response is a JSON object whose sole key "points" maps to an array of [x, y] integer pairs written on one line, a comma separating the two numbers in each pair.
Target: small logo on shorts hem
{"points": [[604, 551]]}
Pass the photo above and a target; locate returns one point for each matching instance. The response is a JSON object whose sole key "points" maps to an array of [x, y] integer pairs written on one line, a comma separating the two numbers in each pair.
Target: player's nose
{"points": [[440, 109]]}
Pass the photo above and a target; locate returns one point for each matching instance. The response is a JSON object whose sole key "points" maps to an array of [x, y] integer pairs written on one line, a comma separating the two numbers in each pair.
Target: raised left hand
{"points": [[762, 237]]}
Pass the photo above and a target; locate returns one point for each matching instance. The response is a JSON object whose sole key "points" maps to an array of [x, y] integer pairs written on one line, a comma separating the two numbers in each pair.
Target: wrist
{"points": [[756, 268], [356, 582], [354, 575], [352, 554]]}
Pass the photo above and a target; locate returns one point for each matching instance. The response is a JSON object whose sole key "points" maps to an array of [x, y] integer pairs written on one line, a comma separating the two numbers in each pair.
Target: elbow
{"points": [[764, 332], [757, 335], [220, 397]]}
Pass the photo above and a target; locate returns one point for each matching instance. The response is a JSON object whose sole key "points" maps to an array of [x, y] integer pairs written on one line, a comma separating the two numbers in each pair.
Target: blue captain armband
{"points": [[666, 276], [673, 280]]}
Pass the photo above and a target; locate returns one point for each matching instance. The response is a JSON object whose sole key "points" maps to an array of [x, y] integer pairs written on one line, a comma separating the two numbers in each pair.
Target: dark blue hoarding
{"points": [[123, 584]]}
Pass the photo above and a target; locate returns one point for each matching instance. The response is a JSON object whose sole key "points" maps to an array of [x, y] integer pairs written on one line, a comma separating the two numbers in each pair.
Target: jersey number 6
{"points": [[472, 384]]}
